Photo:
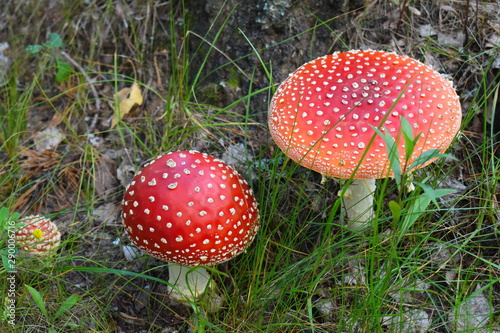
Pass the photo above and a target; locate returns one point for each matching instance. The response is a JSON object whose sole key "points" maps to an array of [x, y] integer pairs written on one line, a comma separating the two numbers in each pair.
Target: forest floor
{"points": [[206, 71]]}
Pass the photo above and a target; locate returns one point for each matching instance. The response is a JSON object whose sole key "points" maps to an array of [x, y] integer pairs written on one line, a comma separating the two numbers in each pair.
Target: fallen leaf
{"points": [[129, 98]]}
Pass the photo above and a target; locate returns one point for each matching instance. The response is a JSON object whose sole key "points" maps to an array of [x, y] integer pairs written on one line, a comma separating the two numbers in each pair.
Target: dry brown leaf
{"points": [[128, 97]]}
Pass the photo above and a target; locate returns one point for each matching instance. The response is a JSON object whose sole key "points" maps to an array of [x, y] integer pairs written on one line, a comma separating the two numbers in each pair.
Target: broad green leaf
{"points": [[392, 151], [410, 140], [63, 71], [33, 48], [38, 300], [9, 265], [432, 193], [6, 264], [67, 304], [15, 217], [418, 207], [395, 210], [4, 216], [426, 156], [54, 41]]}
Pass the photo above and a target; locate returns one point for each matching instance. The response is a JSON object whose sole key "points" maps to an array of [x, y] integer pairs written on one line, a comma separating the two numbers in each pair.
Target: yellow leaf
{"points": [[128, 97], [135, 94]]}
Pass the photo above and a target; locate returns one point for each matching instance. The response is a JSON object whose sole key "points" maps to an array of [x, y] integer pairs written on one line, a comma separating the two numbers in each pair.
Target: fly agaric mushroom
{"points": [[39, 236], [190, 209], [324, 116]]}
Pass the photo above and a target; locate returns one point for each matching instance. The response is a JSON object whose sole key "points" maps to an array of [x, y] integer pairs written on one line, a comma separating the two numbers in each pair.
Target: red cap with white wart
{"points": [[323, 115], [190, 208]]}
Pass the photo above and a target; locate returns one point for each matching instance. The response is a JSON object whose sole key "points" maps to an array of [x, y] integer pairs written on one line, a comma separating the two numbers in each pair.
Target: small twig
{"points": [[91, 85]]}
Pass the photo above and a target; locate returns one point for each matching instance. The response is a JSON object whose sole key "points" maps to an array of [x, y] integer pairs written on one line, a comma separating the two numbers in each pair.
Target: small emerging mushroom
{"points": [[324, 116], [190, 209], [39, 236]]}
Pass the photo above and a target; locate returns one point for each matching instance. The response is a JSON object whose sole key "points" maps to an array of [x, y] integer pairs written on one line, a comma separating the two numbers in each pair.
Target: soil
{"points": [[282, 34]]}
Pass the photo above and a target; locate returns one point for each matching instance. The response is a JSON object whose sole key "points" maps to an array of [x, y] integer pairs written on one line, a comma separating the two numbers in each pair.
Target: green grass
{"points": [[305, 271]]}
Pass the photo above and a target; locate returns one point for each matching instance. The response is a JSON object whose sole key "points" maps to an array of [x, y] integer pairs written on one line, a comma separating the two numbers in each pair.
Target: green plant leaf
{"points": [[63, 71], [392, 151], [38, 300], [33, 48], [15, 217], [410, 140], [54, 41], [6, 264], [426, 156], [67, 304], [432, 193], [8, 259], [4, 217], [417, 208], [395, 210]]}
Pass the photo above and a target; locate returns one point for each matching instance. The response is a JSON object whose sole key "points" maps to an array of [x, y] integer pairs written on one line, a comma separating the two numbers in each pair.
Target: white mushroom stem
{"points": [[358, 203], [188, 282]]}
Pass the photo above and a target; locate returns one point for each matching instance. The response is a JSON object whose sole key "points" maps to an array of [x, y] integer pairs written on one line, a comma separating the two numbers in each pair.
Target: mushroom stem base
{"points": [[358, 203], [188, 282]]}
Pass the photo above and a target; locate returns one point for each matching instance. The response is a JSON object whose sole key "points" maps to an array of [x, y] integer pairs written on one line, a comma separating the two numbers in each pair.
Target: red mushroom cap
{"points": [[322, 115], [39, 236], [190, 208]]}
